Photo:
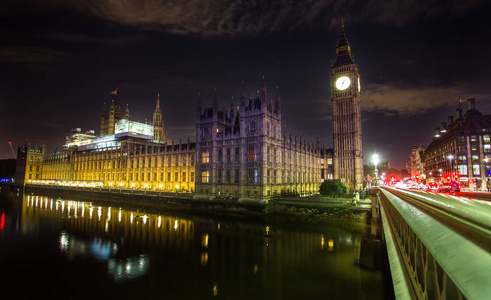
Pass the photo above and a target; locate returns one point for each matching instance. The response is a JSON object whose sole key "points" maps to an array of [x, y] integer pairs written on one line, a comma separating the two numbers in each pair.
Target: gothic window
{"points": [[227, 176], [205, 157], [192, 177], [252, 153], [176, 176], [220, 155], [252, 176], [252, 127], [168, 176], [184, 160], [192, 160], [205, 176], [183, 176]]}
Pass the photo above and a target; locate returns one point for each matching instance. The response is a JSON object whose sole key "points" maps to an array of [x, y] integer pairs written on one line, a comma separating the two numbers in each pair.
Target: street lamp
{"points": [[375, 162], [450, 157]]}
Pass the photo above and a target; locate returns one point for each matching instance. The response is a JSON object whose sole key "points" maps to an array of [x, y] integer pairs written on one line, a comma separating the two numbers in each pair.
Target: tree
{"points": [[333, 188]]}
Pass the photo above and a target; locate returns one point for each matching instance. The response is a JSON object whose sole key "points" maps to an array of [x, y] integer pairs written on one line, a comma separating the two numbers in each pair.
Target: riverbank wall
{"points": [[303, 208]]}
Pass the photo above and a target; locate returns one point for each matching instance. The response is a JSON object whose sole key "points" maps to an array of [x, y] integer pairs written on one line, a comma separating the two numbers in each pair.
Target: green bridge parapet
{"points": [[429, 260]]}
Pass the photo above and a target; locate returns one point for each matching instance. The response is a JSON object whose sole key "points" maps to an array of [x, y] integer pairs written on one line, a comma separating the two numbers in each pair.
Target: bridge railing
{"points": [[428, 258]]}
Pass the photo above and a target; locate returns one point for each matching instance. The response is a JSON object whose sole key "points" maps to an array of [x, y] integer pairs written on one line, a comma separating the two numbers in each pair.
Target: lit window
{"points": [[252, 153], [476, 169], [205, 157], [205, 176]]}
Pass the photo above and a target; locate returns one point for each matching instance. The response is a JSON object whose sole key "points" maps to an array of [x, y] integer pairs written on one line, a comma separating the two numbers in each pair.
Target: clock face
{"points": [[359, 86], [343, 83]]}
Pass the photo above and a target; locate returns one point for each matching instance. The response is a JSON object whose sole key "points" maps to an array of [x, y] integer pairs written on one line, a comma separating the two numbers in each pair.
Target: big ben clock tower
{"points": [[346, 116]]}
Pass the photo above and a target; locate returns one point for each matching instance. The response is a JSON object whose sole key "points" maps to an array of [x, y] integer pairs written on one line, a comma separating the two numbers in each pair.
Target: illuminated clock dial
{"points": [[343, 83], [359, 86]]}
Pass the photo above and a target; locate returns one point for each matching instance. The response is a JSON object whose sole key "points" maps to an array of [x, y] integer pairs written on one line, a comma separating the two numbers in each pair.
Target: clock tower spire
{"points": [[346, 116]]}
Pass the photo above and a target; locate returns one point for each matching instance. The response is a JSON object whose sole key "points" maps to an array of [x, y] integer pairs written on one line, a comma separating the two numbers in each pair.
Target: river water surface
{"points": [[56, 248]]}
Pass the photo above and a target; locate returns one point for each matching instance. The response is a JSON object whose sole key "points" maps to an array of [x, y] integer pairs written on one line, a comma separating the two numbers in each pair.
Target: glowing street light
{"points": [[450, 157], [375, 162]]}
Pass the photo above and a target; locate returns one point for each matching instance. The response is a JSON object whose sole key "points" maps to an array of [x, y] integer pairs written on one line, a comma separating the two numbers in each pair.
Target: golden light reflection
{"points": [[109, 214], [204, 240], [322, 241], [131, 218], [119, 215], [255, 269], [159, 222], [175, 225], [204, 259], [99, 213], [218, 226], [215, 290], [330, 245]]}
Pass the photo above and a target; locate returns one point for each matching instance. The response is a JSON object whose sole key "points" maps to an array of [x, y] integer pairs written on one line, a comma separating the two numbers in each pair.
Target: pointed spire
{"points": [[343, 50], [242, 99], [127, 112], [158, 101], [263, 90]]}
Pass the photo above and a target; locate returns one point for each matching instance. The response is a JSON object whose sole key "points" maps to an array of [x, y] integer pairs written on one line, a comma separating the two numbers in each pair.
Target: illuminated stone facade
{"points": [[346, 117], [462, 147], [242, 154], [128, 158], [415, 165], [29, 163]]}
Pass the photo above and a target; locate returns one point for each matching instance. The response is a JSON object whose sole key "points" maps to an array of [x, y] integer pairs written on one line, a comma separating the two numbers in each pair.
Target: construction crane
{"points": [[10, 143]]}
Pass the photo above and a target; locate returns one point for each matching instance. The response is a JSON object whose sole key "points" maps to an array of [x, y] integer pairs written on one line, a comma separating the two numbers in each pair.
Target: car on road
{"points": [[432, 186], [452, 186]]}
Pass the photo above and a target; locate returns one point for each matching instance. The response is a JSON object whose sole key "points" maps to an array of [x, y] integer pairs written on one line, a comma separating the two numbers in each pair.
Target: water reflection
{"points": [[199, 257], [133, 230]]}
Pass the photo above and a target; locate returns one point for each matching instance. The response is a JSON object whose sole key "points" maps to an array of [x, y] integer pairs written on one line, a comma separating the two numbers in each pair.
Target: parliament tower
{"points": [[346, 116]]}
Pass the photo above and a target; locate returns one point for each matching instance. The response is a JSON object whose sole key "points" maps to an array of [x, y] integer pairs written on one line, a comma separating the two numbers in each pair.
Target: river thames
{"points": [[62, 248]]}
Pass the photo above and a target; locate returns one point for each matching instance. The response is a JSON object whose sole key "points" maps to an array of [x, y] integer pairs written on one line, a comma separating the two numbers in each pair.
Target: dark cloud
{"points": [[84, 38], [402, 12], [406, 100], [250, 17], [31, 55]]}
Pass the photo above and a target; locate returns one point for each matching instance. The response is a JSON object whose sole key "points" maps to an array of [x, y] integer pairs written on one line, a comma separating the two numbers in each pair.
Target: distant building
{"points": [[461, 147], [346, 116], [126, 155], [29, 163], [415, 165], [240, 153], [243, 153]]}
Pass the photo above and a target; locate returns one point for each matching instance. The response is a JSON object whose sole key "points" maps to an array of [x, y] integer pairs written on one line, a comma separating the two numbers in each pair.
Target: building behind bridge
{"points": [[241, 153], [461, 149]]}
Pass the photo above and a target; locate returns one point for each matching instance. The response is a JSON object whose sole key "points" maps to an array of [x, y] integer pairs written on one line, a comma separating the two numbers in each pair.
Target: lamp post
{"points": [[375, 163], [450, 157]]}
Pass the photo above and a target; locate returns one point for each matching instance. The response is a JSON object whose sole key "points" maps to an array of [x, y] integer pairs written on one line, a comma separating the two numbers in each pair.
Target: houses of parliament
{"points": [[240, 152]]}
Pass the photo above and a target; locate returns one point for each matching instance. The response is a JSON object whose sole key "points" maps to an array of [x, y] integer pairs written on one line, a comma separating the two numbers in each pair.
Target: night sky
{"points": [[59, 61]]}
